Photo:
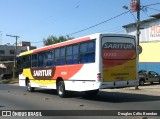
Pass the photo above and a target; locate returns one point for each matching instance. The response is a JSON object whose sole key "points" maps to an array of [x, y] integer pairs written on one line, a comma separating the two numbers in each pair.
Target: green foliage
{"points": [[53, 39]]}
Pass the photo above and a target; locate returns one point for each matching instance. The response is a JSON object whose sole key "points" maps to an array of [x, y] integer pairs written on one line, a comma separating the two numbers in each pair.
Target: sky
{"points": [[34, 20]]}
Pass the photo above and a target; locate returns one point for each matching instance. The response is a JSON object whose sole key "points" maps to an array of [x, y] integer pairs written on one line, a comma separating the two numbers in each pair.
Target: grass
{"points": [[9, 81]]}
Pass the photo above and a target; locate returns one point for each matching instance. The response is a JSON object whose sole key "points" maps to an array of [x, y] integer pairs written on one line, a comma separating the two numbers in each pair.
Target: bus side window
{"points": [[62, 56], [34, 60], [41, 61], [83, 51], [72, 54], [57, 56], [49, 58], [87, 52], [75, 53], [19, 63], [26, 61], [69, 59], [91, 51]]}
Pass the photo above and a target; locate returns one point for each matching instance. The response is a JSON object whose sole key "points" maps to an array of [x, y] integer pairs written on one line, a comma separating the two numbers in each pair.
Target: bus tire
{"points": [[61, 89], [91, 93], [29, 88]]}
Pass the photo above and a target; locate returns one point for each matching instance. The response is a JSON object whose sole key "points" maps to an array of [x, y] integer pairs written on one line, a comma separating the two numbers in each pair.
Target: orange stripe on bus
{"points": [[66, 72]]}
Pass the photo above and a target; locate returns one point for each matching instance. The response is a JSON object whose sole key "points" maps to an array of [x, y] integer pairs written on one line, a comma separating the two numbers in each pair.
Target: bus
{"points": [[90, 63]]}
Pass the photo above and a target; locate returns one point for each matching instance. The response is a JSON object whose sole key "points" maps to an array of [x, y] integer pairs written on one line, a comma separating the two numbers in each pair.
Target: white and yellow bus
{"points": [[89, 63]]}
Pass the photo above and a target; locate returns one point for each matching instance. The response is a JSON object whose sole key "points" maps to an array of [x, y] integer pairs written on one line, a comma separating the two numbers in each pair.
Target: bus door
{"points": [[118, 58]]}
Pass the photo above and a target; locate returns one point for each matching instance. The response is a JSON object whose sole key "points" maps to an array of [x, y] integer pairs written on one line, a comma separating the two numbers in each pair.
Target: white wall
{"points": [[150, 31]]}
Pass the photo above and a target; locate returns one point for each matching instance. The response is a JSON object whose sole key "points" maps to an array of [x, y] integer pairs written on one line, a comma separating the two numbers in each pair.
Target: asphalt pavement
{"points": [[14, 97]]}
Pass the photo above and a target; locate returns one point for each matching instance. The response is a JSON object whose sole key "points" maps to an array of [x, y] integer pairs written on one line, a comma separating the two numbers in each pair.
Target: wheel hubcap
{"points": [[60, 89], [29, 85]]}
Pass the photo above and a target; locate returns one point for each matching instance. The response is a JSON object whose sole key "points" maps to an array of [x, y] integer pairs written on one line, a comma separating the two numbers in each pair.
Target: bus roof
{"points": [[69, 42], [65, 43]]}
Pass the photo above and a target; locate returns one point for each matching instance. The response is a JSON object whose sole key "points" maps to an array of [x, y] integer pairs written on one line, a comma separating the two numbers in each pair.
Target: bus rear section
{"points": [[119, 61]]}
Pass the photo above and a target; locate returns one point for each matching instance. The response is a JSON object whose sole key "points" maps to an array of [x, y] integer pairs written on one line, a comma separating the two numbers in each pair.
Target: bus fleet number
{"points": [[109, 55]]}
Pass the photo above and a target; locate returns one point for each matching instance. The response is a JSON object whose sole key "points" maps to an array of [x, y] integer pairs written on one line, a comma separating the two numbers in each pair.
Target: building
{"points": [[7, 53], [149, 59]]}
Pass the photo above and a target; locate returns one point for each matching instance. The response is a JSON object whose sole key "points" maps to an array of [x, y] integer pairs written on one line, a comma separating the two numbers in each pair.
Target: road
{"points": [[14, 97]]}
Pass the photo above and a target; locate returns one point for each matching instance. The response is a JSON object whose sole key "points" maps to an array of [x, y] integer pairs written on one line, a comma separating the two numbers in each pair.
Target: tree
{"points": [[53, 39]]}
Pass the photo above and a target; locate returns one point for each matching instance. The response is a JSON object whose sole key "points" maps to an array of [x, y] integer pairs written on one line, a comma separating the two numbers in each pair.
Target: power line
{"points": [[144, 8], [93, 25], [107, 20], [147, 6], [153, 9], [145, 13], [99, 23], [103, 21], [151, 4], [133, 16]]}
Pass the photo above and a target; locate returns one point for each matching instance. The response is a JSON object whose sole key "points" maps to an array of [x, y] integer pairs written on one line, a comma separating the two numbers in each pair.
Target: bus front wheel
{"points": [[61, 89], [29, 88]]}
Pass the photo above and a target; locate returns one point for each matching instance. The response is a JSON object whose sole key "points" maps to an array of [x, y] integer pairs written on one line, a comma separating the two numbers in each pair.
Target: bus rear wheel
{"points": [[61, 89], [29, 88]]}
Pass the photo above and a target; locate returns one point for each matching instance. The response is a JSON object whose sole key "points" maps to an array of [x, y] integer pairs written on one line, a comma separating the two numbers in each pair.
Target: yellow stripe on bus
{"points": [[44, 82], [26, 53]]}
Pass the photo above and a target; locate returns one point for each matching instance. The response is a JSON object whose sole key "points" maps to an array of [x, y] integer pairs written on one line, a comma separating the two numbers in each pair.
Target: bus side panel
{"points": [[85, 79], [81, 85], [76, 77]]}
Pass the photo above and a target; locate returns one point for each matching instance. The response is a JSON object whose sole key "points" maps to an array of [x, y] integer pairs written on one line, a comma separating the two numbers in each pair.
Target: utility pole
{"points": [[138, 30], [135, 7], [138, 22], [15, 53]]}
